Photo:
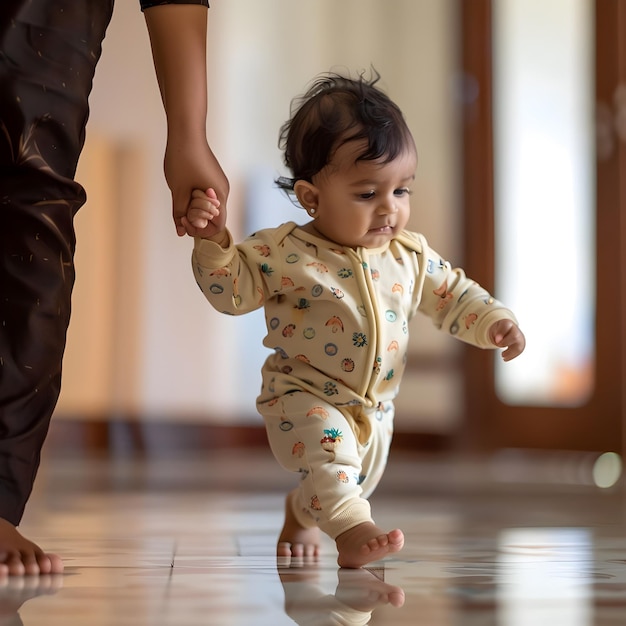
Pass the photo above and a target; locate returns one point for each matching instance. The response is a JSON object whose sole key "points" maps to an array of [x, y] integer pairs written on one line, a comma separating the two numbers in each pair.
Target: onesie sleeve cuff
{"points": [[481, 337], [208, 253]]}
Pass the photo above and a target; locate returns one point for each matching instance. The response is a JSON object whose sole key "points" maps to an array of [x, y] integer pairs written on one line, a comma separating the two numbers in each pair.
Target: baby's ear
{"points": [[307, 194]]}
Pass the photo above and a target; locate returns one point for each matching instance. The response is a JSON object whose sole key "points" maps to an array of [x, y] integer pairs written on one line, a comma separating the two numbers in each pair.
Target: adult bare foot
{"points": [[366, 543], [16, 590], [296, 541], [21, 557]]}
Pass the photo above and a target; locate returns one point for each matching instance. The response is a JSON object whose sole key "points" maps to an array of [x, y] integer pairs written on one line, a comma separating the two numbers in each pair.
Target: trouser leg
{"points": [[338, 472], [48, 53]]}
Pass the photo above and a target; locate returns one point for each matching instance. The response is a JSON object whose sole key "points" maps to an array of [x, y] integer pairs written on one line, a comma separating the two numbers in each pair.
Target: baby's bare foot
{"points": [[362, 590], [20, 557], [359, 593], [296, 541], [366, 543]]}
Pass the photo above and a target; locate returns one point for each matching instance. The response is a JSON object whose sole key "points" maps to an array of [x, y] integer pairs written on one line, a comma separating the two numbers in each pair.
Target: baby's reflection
{"points": [[16, 590], [357, 594]]}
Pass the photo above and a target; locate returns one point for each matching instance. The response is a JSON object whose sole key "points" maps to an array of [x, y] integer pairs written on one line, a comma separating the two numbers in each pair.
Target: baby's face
{"points": [[363, 203]]}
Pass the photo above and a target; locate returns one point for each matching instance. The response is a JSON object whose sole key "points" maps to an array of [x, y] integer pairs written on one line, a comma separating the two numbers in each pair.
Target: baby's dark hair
{"points": [[336, 110]]}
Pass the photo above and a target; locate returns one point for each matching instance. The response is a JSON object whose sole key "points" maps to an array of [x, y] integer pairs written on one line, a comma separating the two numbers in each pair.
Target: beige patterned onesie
{"points": [[337, 322]]}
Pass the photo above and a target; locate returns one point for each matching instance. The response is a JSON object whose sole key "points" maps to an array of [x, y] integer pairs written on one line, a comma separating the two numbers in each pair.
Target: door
{"points": [[588, 414]]}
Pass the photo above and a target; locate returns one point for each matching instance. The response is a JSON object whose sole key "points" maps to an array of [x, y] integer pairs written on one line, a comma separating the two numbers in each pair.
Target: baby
{"points": [[338, 293]]}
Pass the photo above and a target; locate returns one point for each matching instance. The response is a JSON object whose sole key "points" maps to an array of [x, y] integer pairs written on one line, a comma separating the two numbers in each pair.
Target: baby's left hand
{"points": [[506, 334]]}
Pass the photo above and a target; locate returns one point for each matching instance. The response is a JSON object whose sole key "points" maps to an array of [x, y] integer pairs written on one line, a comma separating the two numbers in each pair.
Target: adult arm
{"points": [[178, 35]]}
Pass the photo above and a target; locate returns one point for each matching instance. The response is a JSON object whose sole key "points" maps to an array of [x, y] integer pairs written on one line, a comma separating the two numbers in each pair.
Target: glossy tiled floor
{"points": [[190, 542]]}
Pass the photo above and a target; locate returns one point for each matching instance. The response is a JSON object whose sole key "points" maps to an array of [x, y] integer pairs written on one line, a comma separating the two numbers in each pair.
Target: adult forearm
{"points": [[178, 34], [178, 39]]}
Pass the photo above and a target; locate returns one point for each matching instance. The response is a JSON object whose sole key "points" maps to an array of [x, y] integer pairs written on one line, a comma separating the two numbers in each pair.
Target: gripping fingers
{"points": [[200, 218]]}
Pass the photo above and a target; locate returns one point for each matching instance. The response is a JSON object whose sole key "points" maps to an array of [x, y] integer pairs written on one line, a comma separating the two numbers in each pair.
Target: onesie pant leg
{"points": [[376, 453], [317, 440], [48, 54]]}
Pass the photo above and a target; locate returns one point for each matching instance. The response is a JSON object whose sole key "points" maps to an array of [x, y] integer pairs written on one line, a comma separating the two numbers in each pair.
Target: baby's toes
{"points": [[376, 543]]}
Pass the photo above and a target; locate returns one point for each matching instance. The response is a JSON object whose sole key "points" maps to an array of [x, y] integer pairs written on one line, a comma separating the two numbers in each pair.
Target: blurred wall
{"points": [[143, 341]]}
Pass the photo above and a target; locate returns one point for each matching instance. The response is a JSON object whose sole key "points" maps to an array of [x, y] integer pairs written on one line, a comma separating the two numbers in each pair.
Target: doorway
{"points": [[590, 416]]}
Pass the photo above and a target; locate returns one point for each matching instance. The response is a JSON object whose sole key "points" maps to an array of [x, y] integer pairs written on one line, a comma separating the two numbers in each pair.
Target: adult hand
{"points": [[189, 166]]}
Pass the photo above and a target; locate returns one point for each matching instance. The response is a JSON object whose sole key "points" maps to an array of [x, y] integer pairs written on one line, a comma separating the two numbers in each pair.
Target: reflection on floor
{"points": [[191, 541]]}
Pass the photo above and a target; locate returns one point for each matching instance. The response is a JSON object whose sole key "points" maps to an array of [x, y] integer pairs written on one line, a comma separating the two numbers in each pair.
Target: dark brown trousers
{"points": [[48, 53]]}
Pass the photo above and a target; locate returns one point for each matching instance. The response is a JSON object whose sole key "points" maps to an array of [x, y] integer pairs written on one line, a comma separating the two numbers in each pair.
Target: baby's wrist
{"points": [[221, 239]]}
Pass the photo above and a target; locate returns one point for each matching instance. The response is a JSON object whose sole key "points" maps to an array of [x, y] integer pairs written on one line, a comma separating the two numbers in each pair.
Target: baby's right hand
{"points": [[203, 210]]}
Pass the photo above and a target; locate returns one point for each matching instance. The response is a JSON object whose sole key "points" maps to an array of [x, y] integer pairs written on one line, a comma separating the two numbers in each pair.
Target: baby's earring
{"points": [[312, 211]]}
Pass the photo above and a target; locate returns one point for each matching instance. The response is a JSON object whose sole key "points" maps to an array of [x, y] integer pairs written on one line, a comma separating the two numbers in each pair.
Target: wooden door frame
{"points": [[489, 423]]}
